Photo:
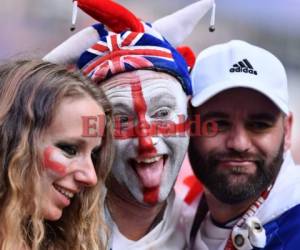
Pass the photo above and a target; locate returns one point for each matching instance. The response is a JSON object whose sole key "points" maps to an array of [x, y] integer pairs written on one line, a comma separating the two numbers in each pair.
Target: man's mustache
{"points": [[234, 156]]}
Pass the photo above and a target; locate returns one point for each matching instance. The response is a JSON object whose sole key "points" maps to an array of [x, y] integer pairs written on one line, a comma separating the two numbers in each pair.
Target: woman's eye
{"points": [[68, 149]]}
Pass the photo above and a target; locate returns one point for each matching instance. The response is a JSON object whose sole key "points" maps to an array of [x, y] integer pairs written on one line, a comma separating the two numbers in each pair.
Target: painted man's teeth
{"points": [[65, 192], [149, 160]]}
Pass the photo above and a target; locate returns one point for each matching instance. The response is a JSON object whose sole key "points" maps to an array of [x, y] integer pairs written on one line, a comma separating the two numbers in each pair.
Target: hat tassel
{"points": [[212, 18], [74, 14]]}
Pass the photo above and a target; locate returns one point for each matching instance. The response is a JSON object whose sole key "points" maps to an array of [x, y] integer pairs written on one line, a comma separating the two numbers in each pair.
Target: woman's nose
{"points": [[85, 173]]}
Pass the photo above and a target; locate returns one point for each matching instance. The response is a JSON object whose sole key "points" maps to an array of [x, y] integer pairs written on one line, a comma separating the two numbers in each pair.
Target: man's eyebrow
{"points": [[123, 107], [163, 99], [263, 116], [210, 115]]}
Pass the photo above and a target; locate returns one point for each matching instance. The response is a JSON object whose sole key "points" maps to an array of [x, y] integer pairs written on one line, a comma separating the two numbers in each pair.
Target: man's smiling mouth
{"points": [[149, 170]]}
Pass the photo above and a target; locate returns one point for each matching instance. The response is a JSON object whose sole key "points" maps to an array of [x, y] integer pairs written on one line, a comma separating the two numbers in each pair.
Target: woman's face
{"points": [[67, 154]]}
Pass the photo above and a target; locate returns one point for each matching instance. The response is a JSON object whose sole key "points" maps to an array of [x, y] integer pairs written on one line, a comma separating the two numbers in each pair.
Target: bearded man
{"points": [[251, 196]]}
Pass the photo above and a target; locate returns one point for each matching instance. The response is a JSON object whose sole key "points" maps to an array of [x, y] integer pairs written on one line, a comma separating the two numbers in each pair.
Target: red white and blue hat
{"points": [[122, 43], [128, 51]]}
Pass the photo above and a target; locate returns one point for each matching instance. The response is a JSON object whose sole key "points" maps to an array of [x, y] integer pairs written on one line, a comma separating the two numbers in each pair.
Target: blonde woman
{"points": [[55, 153]]}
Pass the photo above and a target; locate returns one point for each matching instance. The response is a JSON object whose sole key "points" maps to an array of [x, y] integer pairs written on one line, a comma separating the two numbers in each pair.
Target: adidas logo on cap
{"points": [[243, 66]]}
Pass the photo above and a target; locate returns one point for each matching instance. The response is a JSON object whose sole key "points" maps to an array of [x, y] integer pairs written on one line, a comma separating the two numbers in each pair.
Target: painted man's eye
{"points": [[161, 114], [123, 121], [122, 118], [68, 149]]}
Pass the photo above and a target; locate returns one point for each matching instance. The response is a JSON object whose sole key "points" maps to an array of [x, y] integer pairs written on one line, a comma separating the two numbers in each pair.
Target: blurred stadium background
{"points": [[33, 27]]}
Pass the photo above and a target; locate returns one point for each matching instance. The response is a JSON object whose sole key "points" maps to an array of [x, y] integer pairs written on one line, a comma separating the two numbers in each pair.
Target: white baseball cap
{"points": [[239, 64]]}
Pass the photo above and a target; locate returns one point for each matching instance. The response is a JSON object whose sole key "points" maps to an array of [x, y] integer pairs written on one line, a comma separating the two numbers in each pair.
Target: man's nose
{"points": [[238, 139], [145, 141]]}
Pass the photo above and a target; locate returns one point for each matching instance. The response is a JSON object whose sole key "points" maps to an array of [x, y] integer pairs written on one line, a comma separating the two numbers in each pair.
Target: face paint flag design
{"points": [[146, 148], [55, 161], [122, 52]]}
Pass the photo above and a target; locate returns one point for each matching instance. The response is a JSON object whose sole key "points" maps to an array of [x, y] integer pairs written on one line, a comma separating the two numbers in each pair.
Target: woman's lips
{"points": [[64, 194]]}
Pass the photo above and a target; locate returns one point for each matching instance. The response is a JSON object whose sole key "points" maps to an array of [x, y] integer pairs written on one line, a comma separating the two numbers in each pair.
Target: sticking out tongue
{"points": [[150, 173]]}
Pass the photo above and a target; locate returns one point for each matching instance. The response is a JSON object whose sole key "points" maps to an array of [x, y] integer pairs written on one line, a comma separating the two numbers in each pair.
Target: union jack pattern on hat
{"points": [[121, 42], [127, 51]]}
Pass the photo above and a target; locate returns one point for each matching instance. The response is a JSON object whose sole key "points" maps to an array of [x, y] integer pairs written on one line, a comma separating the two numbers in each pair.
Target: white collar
{"points": [[285, 193]]}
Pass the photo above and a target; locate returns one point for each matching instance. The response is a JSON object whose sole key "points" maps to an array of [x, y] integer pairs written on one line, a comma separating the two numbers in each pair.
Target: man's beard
{"points": [[217, 182]]}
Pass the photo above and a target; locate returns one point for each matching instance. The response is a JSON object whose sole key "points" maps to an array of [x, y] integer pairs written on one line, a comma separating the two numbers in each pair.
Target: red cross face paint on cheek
{"points": [[55, 161]]}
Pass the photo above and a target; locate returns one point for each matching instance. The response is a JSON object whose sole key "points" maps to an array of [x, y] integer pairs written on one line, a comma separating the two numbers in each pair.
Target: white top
{"points": [[167, 235], [212, 235]]}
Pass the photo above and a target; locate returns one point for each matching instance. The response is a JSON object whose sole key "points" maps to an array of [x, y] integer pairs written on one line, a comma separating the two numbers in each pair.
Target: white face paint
{"points": [[147, 162]]}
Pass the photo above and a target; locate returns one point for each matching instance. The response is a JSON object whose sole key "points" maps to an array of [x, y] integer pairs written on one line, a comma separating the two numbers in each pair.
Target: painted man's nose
{"points": [[145, 142]]}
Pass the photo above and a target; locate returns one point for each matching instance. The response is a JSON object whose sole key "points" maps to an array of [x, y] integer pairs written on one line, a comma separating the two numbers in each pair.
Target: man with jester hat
{"points": [[147, 82]]}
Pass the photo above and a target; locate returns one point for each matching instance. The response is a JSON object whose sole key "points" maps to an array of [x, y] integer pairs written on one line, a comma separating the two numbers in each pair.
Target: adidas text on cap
{"points": [[239, 64]]}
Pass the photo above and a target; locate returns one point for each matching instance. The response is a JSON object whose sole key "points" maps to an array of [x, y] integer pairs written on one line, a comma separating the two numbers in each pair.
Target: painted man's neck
{"points": [[134, 220]]}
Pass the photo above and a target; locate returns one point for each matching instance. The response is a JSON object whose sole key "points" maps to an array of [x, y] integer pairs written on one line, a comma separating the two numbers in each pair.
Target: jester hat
{"points": [[121, 42]]}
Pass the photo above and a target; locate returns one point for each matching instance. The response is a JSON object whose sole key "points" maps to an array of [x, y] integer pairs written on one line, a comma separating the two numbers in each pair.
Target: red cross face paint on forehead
{"points": [[147, 163]]}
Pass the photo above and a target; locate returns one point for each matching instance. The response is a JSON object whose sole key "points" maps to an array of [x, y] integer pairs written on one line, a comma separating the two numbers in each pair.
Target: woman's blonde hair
{"points": [[30, 92]]}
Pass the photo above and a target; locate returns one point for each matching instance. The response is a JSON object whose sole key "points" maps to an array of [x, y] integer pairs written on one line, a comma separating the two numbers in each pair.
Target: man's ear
{"points": [[288, 123]]}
